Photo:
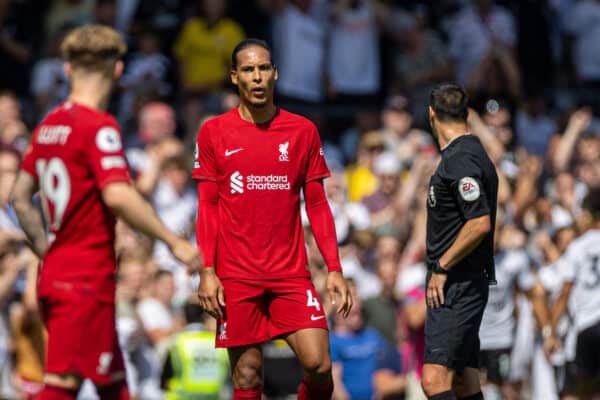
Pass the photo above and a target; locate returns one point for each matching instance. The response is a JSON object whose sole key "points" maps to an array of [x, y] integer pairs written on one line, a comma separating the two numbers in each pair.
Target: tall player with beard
{"points": [[251, 164], [76, 160]]}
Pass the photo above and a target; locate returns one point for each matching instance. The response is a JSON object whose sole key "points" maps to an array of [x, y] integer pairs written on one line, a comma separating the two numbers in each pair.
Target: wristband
{"points": [[436, 268]]}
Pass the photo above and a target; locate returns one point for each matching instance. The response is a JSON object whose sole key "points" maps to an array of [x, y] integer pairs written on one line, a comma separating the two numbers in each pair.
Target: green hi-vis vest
{"points": [[199, 370]]}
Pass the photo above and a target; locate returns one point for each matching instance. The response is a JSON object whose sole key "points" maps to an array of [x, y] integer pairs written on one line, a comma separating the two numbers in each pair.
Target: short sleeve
{"points": [[204, 156], [464, 175], [317, 166], [106, 155]]}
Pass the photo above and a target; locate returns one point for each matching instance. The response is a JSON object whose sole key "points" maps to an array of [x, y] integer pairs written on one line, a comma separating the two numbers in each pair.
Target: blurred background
{"points": [[362, 70]]}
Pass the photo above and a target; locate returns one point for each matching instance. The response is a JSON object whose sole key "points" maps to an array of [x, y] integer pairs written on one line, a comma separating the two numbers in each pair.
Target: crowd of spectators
{"points": [[362, 71]]}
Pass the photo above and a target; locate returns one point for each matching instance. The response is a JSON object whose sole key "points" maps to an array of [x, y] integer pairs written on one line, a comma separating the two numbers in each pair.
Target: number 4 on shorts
{"points": [[312, 301]]}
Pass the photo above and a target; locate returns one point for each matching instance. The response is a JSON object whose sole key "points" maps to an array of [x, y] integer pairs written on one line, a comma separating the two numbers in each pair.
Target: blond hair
{"points": [[94, 48]]}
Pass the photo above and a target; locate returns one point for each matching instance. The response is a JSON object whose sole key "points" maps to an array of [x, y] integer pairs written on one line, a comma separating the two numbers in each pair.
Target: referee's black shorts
{"points": [[452, 330]]}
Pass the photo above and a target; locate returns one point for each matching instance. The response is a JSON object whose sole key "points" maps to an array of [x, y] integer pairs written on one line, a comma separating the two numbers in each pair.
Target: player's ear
{"points": [[233, 76], [67, 68], [275, 72], [119, 66], [431, 113]]}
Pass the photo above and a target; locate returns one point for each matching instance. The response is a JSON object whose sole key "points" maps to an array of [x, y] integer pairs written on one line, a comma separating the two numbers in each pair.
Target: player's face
{"points": [[255, 76]]}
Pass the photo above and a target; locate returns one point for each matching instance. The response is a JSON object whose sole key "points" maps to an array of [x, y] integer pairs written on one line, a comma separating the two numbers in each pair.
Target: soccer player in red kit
{"points": [[76, 160], [251, 164]]}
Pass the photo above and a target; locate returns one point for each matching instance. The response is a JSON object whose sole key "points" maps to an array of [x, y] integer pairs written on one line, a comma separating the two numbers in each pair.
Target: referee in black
{"points": [[461, 214]]}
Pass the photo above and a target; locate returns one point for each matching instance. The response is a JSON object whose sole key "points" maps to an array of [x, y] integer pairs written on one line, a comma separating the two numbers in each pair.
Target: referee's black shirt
{"points": [[464, 186]]}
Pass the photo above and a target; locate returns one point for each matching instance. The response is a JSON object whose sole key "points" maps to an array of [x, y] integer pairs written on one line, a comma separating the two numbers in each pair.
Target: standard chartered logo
{"points": [[258, 182], [237, 184]]}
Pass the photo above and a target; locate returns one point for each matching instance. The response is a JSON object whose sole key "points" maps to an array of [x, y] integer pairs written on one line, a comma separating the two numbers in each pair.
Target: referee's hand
{"points": [[435, 290]]}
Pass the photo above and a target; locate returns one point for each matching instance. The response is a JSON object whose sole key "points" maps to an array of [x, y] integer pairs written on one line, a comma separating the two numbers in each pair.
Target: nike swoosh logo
{"points": [[230, 152], [315, 318]]}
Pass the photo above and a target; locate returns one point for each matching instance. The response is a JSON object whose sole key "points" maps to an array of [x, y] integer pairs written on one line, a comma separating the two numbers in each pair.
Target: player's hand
{"points": [[336, 285], [188, 254], [551, 345], [211, 293], [435, 290]]}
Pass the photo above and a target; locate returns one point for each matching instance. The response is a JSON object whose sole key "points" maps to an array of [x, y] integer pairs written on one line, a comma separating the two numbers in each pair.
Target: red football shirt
{"points": [[74, 153], [260, 170]]}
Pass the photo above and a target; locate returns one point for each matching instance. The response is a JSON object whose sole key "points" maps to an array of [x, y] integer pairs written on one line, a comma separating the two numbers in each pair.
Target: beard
{"points": [[259, 104]]}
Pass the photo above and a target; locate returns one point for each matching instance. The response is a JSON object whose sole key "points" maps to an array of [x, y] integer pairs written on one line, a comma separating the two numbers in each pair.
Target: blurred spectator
{"points": [[389, 380], [153, 145], [474, 33], [175, 204], [497, 75], [299, 36], [420, 61], [20, 33], [29, 334], [380, 311], [9, 167], [364, 121], [353, 54], [145, 74], [533, 127], [68, 13], [203, 49], [362, 181], [159, 322], [380, 204], [165, 17], [354, 350], [105, 12], [49, 83], [10, 109], [583, 23], [194, 368], [11, 265]]}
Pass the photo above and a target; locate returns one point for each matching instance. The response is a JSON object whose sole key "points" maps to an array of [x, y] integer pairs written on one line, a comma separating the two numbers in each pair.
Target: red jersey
{"points": [[74, 153], [260, 170]]}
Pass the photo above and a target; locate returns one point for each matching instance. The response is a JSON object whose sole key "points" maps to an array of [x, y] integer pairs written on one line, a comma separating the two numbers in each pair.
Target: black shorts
{"points": [[566, 378], [452, 330], [587, 355], [496, 365]]}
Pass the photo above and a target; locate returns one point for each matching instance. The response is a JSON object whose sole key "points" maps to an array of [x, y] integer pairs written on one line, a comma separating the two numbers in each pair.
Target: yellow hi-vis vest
{"points": [[199, 370]]}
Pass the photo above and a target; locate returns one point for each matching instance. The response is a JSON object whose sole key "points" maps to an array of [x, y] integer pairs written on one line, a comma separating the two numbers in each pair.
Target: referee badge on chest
{"points": [[431, 197]]}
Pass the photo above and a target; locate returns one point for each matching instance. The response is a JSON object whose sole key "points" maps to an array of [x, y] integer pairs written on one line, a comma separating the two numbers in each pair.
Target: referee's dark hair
{"points": [[591, 202], [244, 44], [450, 103]]}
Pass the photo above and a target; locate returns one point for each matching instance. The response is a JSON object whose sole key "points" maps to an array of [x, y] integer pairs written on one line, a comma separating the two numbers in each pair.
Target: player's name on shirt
{"points": [[53, 134]]}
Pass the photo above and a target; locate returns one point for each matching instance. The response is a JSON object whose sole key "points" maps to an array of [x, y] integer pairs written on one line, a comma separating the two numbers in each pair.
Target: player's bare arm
{"points": [[30, 216], [128, 204], [469, 237], [538, 297]]}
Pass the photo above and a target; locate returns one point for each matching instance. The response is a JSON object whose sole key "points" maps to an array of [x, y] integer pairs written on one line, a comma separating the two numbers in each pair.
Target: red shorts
{"points": [[82, 336], [259, 310]]}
